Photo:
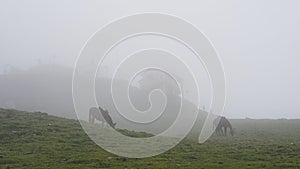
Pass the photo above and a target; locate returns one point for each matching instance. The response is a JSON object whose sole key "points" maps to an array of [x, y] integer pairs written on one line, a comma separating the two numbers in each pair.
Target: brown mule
{"points": [[222, 123], [100, 115], [107, 117]]}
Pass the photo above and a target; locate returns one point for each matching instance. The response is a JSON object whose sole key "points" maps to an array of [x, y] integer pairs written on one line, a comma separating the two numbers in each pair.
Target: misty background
{"points": [[257, 41]]}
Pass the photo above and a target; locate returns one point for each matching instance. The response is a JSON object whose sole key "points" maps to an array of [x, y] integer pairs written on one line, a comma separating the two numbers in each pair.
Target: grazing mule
{"points": [[100, 115], [221, 123], [107, 117]]}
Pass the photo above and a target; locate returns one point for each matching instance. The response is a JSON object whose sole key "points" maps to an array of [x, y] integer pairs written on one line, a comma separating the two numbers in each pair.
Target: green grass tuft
{"points": [[38, 140]]}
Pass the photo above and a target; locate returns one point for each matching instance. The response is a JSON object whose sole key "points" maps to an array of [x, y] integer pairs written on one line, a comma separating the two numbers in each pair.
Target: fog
{"points": [[257, 42]]}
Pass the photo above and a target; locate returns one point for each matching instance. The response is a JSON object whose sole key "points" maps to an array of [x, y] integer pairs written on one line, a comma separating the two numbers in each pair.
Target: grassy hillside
{"points": [[37, 140]]}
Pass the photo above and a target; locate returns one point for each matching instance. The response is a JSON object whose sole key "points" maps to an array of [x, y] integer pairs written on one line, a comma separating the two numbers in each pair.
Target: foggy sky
{"points": [[257, 41]]}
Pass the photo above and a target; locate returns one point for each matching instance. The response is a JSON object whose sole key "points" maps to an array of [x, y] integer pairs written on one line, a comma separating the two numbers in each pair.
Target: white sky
{"points": [[258, 42]]}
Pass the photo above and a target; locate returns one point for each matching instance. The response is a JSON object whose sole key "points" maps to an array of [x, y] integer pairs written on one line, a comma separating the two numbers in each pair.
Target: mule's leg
{"points": [[218, 132], [222, 131], [92, 118]]}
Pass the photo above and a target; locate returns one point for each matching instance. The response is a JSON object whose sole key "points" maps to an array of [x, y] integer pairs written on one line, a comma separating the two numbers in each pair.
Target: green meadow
{"points": [[37, 140]]}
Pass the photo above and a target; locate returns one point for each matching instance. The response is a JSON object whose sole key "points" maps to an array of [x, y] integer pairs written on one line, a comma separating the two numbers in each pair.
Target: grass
{"points": [[38, 140]]}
